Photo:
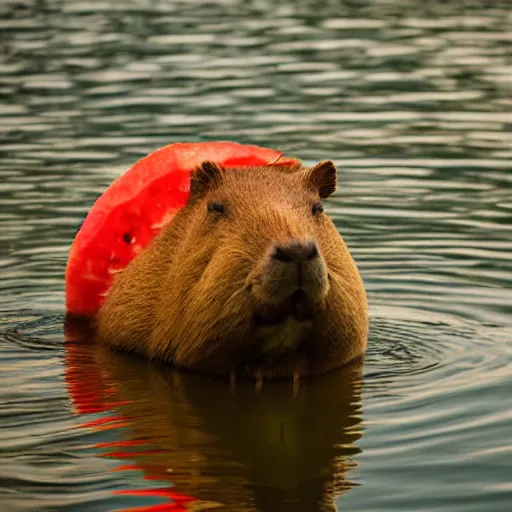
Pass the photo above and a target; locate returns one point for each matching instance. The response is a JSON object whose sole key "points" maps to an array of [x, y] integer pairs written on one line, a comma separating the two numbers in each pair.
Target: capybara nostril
{"points": [[296, 251]]}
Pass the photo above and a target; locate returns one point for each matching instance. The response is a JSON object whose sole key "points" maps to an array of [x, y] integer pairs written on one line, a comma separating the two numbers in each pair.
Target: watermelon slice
{"points": [[135, 207]]}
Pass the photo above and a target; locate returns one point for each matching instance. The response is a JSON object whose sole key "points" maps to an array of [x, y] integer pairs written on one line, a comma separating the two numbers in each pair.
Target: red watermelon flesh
{"points": [[135, 207]]}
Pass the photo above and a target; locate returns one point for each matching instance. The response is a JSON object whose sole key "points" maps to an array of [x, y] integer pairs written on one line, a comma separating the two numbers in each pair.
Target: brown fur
{"points": [[192, 296]]}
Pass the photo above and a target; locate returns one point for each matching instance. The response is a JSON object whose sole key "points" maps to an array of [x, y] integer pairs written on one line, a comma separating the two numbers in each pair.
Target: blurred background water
{"points": [[413, 101]]}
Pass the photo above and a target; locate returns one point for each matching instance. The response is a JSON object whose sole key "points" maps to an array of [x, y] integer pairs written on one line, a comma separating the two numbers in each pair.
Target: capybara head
{"points": [[250, 277], [262, 228]]}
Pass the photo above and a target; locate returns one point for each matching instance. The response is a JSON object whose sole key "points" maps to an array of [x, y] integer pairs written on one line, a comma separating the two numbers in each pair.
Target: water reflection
{"points": [[267, 451]]}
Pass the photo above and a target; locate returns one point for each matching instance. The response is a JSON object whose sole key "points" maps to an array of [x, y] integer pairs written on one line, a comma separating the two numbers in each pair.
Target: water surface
{"points": [[413, 100]]}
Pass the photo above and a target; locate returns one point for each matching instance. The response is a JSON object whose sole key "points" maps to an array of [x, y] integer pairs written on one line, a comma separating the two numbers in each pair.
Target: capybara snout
{"points": [[250, 277], [288, 268]]}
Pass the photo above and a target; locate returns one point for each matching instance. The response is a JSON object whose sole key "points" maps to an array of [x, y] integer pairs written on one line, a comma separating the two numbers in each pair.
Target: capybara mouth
{"points": [[297, 306]]}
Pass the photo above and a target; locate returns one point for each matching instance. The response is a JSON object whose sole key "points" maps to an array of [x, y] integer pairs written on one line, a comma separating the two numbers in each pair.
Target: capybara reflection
{"points": [[236, 449], [251, 278]]}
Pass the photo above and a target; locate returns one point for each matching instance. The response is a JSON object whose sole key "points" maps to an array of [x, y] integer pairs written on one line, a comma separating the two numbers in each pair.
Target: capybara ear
{"points": [[323, 178], [204, 178]]}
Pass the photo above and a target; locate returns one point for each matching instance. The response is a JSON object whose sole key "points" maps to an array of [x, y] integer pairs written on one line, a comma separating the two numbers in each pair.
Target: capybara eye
{"points": [[216, 207], [317, 208]]}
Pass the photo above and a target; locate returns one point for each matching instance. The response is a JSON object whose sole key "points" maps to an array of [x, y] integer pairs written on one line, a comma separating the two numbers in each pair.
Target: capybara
{"points": [[250, 279]]}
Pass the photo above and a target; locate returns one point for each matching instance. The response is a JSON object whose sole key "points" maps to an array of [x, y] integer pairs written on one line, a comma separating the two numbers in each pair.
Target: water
{"points": [[413, 101]]}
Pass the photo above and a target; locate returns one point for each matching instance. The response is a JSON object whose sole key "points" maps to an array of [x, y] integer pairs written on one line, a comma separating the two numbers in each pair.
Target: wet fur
{"points": [[186, 299]]}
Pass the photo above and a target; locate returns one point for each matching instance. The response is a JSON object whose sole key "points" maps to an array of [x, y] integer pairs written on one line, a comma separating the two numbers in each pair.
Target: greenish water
{"points": [[413, 100]]}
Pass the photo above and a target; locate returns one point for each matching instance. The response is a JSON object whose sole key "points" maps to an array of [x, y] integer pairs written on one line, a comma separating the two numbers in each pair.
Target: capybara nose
{"points": [[296, 251]]}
